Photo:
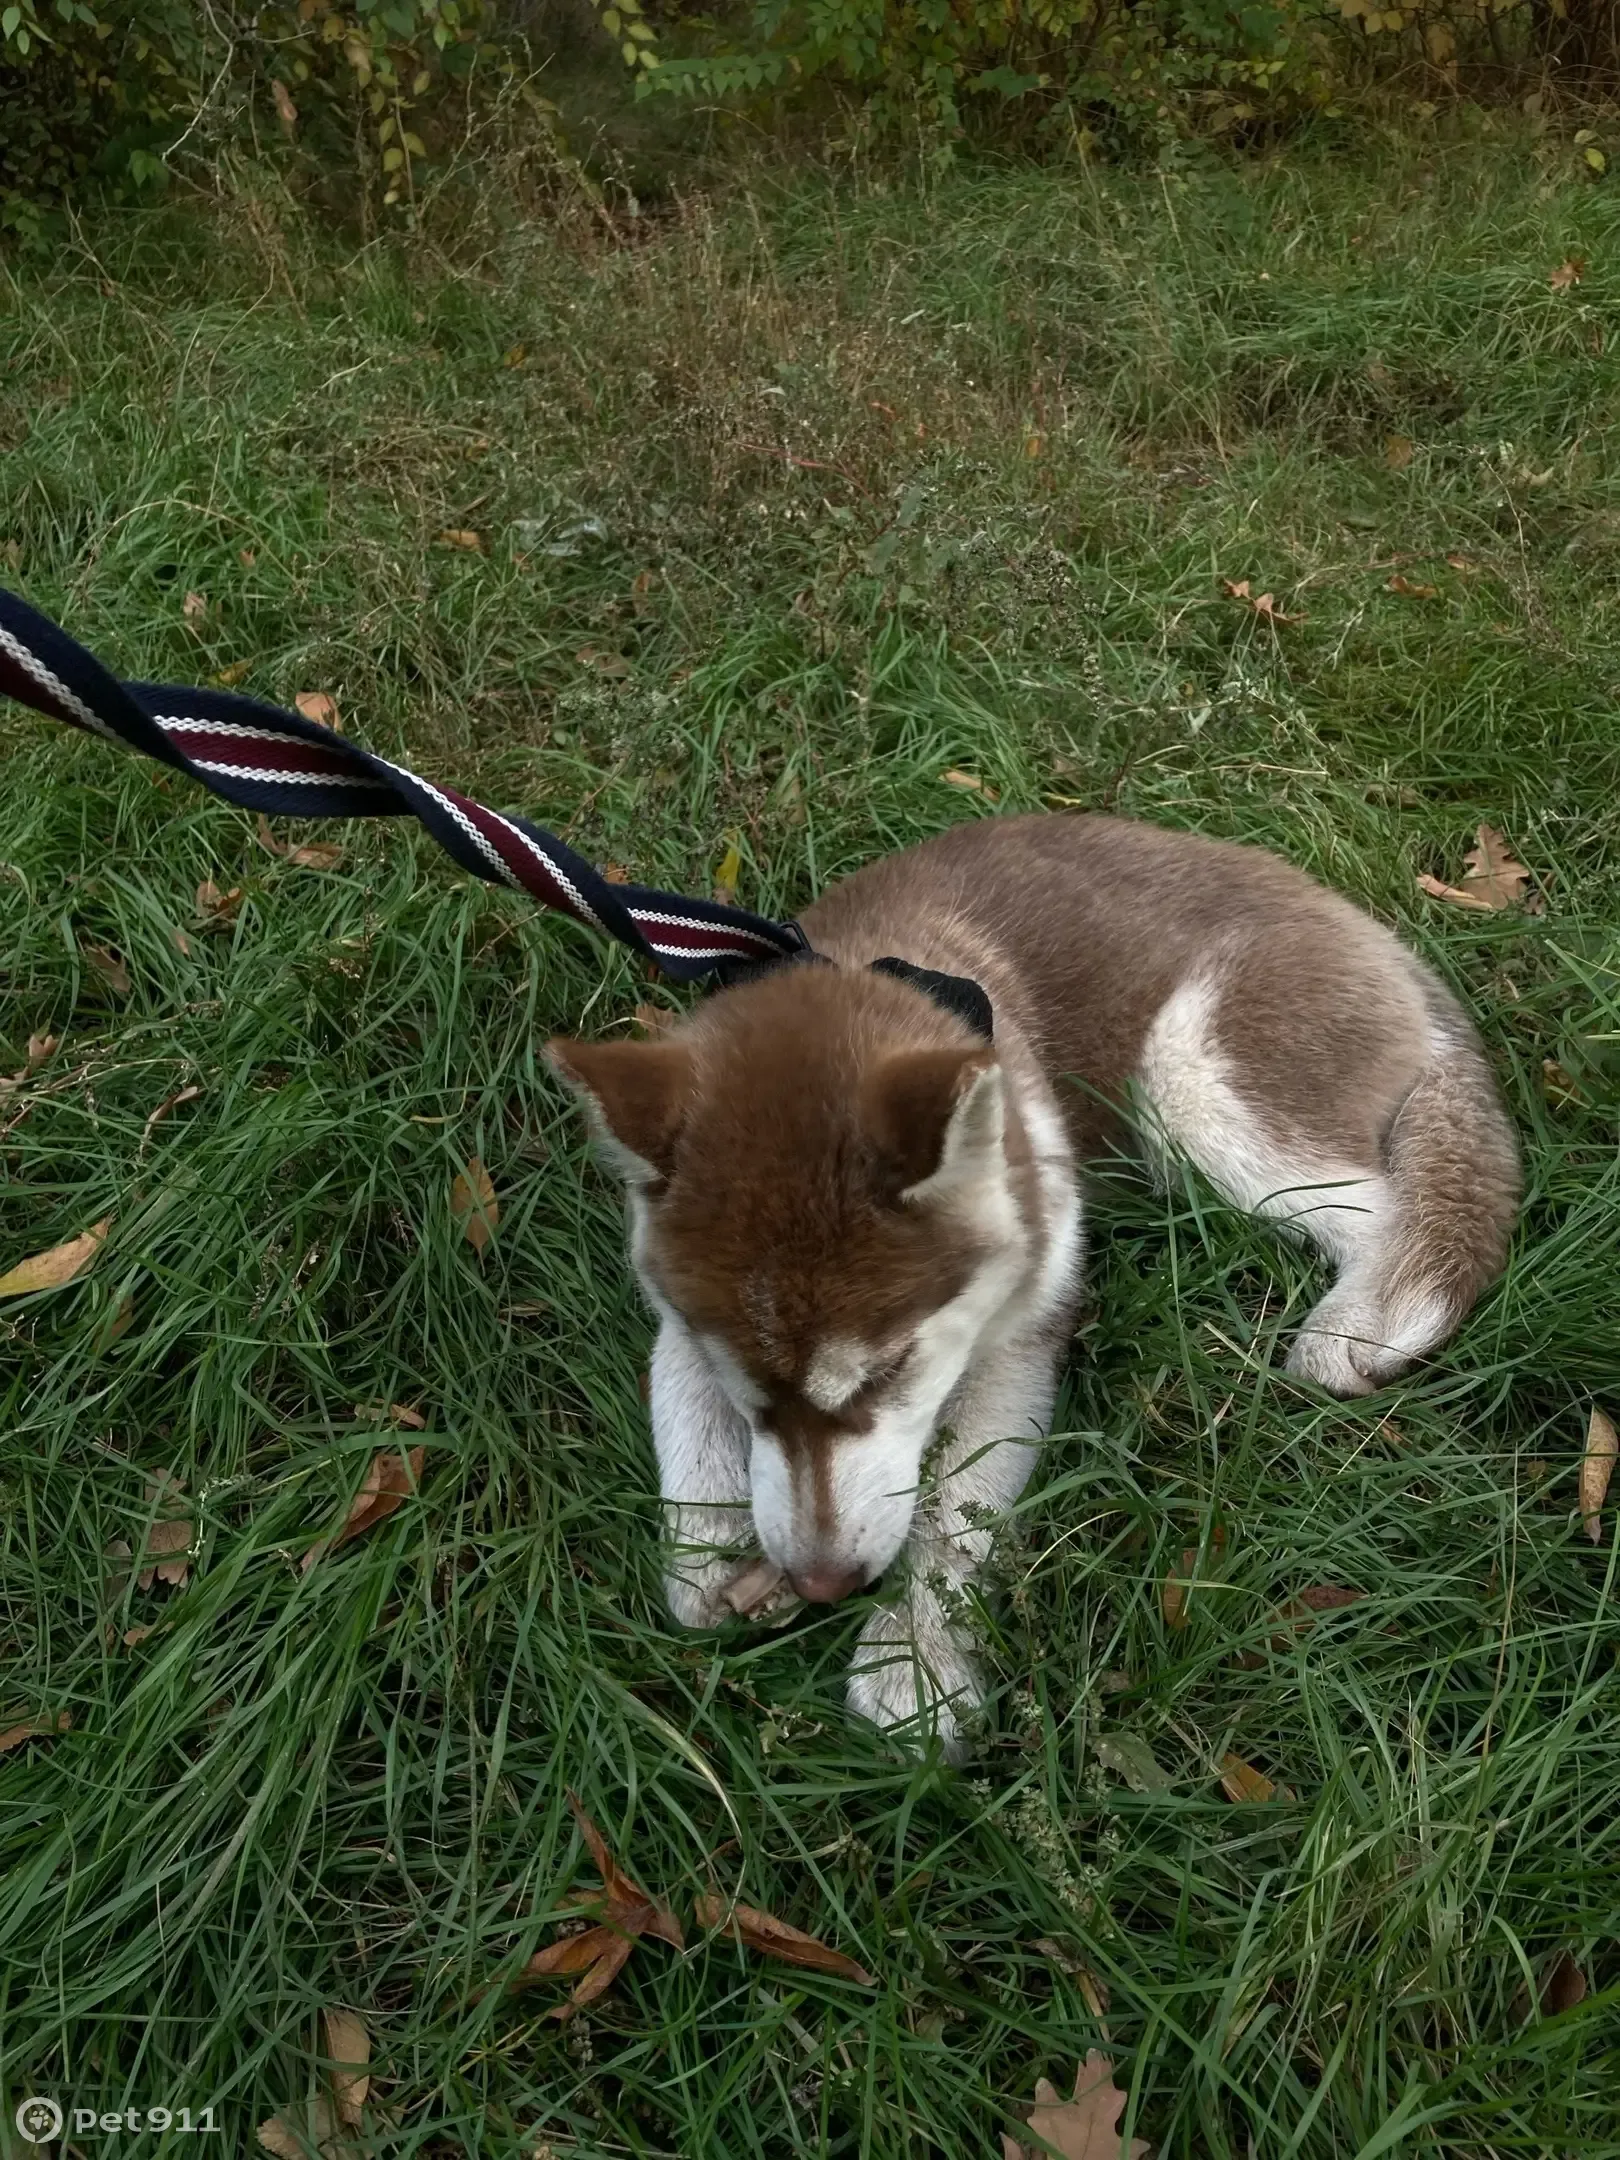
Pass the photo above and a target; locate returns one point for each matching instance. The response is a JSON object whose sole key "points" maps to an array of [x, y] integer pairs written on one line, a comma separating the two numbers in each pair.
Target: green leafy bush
{"points": [[112, 92], [934, 57], [1154, 66]]}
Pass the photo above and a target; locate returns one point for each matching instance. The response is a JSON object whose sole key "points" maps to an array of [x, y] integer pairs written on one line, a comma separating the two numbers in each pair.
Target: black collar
{"points": [[958, 994]]}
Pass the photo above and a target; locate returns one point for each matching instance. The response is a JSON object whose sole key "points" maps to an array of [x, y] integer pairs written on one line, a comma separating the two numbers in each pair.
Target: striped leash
{"points": [[263, 758]]}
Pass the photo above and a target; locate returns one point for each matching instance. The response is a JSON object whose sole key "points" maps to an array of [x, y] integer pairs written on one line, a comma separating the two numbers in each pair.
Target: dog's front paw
{"points": [[914, 1673]]}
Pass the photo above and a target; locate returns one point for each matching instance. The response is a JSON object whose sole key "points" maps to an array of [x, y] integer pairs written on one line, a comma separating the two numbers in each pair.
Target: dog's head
{"points": [[820, 1188]]}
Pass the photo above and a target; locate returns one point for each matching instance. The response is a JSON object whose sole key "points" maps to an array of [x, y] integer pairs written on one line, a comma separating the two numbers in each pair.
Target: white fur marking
{"points": [[702, 1445], [972, 1154], [1186, 1080], [838, 1370], [750, 1400]]}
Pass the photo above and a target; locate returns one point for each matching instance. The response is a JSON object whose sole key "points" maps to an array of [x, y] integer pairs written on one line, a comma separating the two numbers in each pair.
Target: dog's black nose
{"points": [[827, 1585]]}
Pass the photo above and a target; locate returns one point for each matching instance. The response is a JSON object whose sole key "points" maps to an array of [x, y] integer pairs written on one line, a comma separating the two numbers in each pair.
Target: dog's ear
{"points": [[937, 1118], [637, 1094]]}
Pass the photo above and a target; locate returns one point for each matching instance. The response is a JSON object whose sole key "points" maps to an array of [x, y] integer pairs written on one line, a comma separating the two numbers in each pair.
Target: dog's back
{"points": [[1267, 1029]]}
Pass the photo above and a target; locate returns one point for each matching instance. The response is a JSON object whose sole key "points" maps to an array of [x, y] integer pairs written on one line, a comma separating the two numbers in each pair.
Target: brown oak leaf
{"points": [[1493, 878], [391, 1477], [1597, 1467], [600, 1953], [774, 1938], [1084, 2127]]}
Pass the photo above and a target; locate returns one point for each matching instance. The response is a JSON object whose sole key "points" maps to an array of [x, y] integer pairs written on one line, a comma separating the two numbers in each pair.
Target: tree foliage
{"points": [[113, 92]]}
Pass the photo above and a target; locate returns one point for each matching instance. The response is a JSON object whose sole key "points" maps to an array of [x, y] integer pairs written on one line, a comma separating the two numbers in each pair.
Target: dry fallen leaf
{"points": [[599, 1953], [1242, 1781], [1173, 1599], [194, 608], [1437, 889], [316, 855], [40, 1728], [1399, 584], [391, 1477], [395, 1413], [1564, 1987], [1493, 878], [1264, 604], [1085, 2127], [474, 1205], [109, 967], [971, 783], [313, 855], [169, 1102], [1174, 1596], [1320, 1598], [1093, 1989], [50, 1270], [459, 536], [286, 110], [168, 1540], [1558, 1084], [605, 663], [1493, 875], [773, 1938], [1298, 1614], [1398, 452], [298, 2132], [317, 706], [1597, 1467], [1569, 272], [348, 2043], [615, 873], [727, 874], [228, 677], [40, 1048], [167, 1545], [215, 906]]}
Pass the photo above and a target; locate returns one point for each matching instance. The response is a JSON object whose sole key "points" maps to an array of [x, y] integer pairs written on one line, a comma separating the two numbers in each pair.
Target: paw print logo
{"points": [[38, 2120]]}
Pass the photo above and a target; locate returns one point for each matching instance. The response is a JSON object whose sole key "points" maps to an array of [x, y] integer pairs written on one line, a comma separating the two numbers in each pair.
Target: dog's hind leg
{"points": [[1394, 1158], [1450, 1192]]}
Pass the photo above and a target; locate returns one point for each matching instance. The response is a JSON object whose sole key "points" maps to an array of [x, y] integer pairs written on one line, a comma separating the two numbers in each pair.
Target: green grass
{"points": [[831, 568]]}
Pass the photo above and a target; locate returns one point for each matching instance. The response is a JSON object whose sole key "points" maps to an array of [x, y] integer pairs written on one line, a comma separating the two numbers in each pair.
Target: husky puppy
{"points": [[855, 1202]]}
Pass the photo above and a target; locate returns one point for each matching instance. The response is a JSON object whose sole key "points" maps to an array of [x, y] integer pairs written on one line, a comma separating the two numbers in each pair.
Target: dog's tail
{"points": [[1450, 1193], [1453, 1163]]}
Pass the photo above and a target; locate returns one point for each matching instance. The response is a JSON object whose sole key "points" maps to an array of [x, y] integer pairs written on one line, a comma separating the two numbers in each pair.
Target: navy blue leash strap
{"points": [[264, 758]]}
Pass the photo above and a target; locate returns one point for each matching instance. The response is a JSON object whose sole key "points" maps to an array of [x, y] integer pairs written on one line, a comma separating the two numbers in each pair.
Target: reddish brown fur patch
{"points": [[641, 1091], [780, 1224]]}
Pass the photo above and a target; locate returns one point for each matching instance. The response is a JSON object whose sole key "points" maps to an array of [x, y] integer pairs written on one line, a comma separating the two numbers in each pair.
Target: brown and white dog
{"points": [[860, 1221]]}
